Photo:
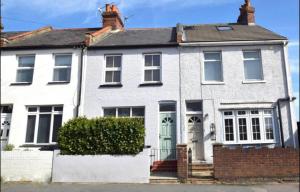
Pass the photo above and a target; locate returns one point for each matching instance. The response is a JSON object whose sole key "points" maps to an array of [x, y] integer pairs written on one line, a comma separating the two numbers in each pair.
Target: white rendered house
{"points": [[193, 84]]}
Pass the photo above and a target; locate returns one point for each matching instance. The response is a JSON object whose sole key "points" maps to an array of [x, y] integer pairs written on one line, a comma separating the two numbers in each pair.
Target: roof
{"points": [[54, 38], [138, 37], [210, 33], [142, 36]]}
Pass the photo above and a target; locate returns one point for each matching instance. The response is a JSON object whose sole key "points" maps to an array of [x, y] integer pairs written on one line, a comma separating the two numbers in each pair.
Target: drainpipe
{"points": [[279, 116], [80, 81]]}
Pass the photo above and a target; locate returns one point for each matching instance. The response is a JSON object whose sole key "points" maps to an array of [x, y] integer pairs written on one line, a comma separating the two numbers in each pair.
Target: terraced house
{"points": [[198, 85]]}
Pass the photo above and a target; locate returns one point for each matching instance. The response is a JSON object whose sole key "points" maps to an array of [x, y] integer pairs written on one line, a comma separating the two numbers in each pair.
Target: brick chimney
{"points": [[112, 17], [247, 16]]}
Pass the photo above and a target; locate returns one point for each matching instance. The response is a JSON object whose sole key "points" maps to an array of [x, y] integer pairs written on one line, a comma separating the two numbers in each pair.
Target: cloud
{"points": [[294, 43], [294, 66], [56, 8], [296, 94]]}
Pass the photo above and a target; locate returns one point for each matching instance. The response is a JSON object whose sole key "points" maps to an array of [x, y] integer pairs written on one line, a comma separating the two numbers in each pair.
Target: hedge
{"points": [[82, 136]]}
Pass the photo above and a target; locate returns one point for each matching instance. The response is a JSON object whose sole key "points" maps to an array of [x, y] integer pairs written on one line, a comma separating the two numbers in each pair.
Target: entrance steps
{"points": [[164, 178], [164, 166], [201, 173]]}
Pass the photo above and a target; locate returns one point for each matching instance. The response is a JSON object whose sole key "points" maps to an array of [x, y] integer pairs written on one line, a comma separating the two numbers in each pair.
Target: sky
{"points": [[280, 16]]}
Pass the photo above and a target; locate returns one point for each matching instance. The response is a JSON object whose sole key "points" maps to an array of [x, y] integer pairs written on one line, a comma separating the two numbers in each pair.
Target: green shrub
{"points": [[82, 136], [9, 147]]}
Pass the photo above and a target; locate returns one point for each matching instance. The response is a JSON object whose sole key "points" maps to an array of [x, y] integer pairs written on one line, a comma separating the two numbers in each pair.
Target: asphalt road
{"points": [[71, 187]]}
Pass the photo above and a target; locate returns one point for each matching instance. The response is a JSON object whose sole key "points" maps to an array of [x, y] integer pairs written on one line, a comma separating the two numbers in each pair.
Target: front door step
{"points": [[164, 178], [201, 171], [164, 166]]}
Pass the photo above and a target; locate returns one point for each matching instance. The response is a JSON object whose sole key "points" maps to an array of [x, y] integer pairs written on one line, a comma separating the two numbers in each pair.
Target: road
{"points": [[71, 187]]}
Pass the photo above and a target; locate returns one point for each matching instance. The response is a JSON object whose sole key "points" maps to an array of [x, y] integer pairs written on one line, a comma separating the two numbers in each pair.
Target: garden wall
{"points": [[255, 163], [26, 165], [102, 168]]}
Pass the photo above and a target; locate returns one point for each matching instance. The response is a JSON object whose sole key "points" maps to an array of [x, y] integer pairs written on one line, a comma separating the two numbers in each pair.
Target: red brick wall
{"points": [[182, 161], [255, 163]]}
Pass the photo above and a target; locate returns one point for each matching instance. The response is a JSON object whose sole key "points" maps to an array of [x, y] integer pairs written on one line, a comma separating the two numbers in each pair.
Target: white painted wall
{"points": [[26, 165], [131, 94], [215, 97], [39, 92], [102, 168]]}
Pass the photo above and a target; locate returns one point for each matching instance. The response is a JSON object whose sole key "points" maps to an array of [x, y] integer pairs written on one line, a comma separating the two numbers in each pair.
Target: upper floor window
{"points": [[124, 112], [213, 66], [113, 68], [62, 68], [152, 68], [43, 123], [252, 65], [25, 68]]}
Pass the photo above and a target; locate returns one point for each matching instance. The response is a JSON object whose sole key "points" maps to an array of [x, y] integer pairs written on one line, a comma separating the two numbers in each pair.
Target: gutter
{"points": [[231, 43], [80, 81], [279, 116]]}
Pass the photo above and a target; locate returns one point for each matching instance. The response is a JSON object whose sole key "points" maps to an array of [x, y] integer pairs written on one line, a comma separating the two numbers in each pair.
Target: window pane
{"points": [[156, 60], [253, 69], [228, 113], [123, 112], [44, 128], [229, 135], [212, 56], [148, 60], [255, 128], [26, 61], [6, 109], [24, 75], [58, 108], [254, 112], [251, 55], [109, 112], [241, 112], [30, 129], [32, 109], [46, 109], [269, 112], [108, 76], [117, 61], [117, 76], [243, 129], [63, 60], [56, 124], [62, 74], [148, 75], [269, 128], [109, 61], [156, 75], [194, 106], [138, 112], [213, 71], [167, 107]]}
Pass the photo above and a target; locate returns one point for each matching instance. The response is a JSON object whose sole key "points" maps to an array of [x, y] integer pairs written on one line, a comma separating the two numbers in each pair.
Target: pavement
{"points": [[72, 187]]}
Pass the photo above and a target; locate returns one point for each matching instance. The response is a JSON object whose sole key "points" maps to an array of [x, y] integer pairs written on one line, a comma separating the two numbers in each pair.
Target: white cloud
{"points": [[294, 66], [56, 8], [294, 43], [296, 94]]}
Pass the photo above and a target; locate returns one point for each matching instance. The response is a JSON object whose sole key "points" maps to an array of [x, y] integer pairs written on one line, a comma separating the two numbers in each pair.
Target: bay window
{"points": [[124, 112]]}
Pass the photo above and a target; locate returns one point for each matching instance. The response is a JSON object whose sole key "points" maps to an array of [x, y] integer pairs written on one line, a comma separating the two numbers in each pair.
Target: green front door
{"points": [[167, 136]]}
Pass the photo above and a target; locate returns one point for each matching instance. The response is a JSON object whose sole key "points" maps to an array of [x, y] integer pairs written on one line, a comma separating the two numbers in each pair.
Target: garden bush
{"points": [[82, 136]]}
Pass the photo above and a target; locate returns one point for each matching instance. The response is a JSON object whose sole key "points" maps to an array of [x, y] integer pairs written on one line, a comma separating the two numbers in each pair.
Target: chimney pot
{"points": [[111, 17], [247, 16]]}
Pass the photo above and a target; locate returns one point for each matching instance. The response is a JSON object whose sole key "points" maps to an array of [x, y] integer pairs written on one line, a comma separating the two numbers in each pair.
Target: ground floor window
{"points": [[43, 123], [248, 126], [124, 112]]}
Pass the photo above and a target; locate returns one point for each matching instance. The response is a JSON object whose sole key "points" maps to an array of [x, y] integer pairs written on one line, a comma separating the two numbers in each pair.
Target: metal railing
{"points": [[162, 155]]}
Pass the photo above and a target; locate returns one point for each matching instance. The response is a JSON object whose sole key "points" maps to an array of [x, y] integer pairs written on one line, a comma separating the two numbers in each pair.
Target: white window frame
{"points": [[152, 67], [62, 67], [224, 130], [249, 116], [112, 69], [24, 68], [260, 62], [203, 68], [131, 107], [193, 112], [37, 119]]}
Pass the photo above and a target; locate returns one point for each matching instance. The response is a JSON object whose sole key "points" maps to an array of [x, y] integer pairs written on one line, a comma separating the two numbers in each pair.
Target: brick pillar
{"points": [[182, 161]]}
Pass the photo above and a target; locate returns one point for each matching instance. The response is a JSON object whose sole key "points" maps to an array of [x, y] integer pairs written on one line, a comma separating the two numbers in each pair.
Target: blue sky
{"points": [[281, 16]]}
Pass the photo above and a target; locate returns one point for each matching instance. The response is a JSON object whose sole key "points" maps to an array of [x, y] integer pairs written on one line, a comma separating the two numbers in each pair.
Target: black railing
{"points": [[162, 155]]}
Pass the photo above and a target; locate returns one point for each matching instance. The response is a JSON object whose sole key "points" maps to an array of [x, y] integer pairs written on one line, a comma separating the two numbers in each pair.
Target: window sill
{"points": [[110, 85], [24, 83], [212, 83], [58, 82], [251, 143], [151, 84], [252, 82], [43, 147]]}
